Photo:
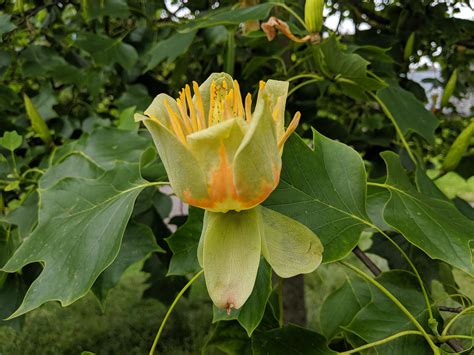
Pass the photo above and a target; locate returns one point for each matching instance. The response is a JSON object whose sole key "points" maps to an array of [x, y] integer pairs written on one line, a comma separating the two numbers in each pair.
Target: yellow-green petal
{"points": [[231, 254], [214, 149], [205, 87], [289, 247], [257, 163], [184, 173]]}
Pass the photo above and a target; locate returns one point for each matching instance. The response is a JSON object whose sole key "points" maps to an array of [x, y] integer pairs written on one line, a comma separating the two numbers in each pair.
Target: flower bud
{"points": [[313, 15]]}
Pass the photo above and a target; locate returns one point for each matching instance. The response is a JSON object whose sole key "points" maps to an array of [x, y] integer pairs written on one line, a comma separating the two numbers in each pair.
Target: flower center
{"points": [[225, 103]]}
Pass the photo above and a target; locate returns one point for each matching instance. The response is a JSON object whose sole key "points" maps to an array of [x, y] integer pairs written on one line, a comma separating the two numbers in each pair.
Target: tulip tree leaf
{"points": [[435, 226], [97, 9], [5, 25], [80, 228], [325, 190], [11, 140], [42, 61], [251, 313], [230, 338], [184, 243], [228, 17], [11, 294], [25, 217], [106, 146], [73, 165], [169, 49], [107, 51], [37, 122], [408, 112], [45, 101], [290, 339], [381, 310], [340, 307], [138, 243]]}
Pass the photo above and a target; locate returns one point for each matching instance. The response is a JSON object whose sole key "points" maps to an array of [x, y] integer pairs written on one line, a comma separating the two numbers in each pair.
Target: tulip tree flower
{"points": [[224, 157]]}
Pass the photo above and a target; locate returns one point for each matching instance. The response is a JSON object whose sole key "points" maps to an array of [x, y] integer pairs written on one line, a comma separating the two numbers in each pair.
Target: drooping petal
{"points": [[185, 174], [231, 254], [257, 163], [200, 250], [289, 247]]}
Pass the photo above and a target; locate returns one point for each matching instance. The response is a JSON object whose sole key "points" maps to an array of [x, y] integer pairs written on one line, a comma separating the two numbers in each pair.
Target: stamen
{"points": [[184, 116], [220, 109], [200, 106], [261, 84], [212, 103], [238, 106], [291, 128], [248, 107], [224, 85], [175, 123], [228, 104], [192, 110]]}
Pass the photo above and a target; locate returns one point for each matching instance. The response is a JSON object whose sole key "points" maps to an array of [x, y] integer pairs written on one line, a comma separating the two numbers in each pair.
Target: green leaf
{"points": [[184, 243], [5, 25], [342, 305], [45, 101], [348, 69], [107, 51], [106, 146], [41, 61], [251, 313], [367, 324], [92, 9], [169, 49], [24, 217], [290, 339], [435, 226], [229, 17], [376, 199], [80, 228], [126, 121], [11, 293], [73, 165], [428, 268], [325, 190], [37, 122], [137, 245], [409, 113], [11, 140], [230, 338], [134, 95]]}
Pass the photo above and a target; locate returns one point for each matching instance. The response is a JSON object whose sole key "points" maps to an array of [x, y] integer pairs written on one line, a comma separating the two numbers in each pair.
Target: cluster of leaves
{"points": [[81, 203]]}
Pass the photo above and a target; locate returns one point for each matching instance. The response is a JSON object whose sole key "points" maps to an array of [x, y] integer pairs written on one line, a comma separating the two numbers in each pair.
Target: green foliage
{"points": [[11, 140], [81, 209]]}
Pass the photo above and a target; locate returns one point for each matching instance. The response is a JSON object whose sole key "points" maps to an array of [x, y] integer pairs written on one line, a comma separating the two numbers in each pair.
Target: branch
{"points": [[454, 344], [367, 262], [450, 309]]}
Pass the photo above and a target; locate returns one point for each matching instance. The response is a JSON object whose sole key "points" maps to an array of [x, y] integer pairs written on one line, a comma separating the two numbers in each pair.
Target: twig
{"points": [[450, 309], [454, 344], [367, 262]]}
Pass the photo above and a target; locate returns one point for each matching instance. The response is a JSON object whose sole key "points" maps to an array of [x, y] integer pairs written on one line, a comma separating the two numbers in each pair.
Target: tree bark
{"points": [[294, 308]]}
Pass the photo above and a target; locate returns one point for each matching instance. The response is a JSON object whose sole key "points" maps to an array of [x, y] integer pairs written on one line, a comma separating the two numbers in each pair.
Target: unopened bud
{"points": [[313, 15]]}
